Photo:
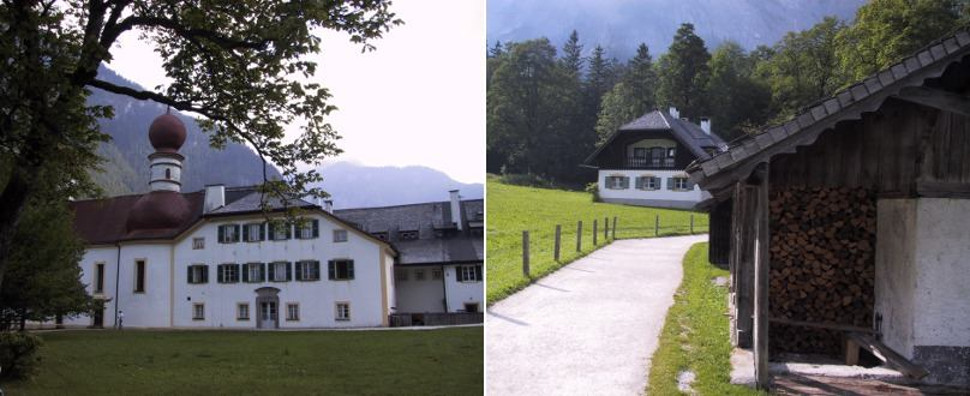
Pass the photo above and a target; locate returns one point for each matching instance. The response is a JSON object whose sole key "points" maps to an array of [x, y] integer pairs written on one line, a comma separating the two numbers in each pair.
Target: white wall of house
{"points": [[150, 308], [416, 295], [895, 280], [107, 255], [632, 193], [459, 293]]}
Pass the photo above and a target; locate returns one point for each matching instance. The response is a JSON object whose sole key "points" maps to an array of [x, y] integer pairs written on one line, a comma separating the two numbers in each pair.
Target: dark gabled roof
{"points": [[687, 133], [433, 246], [248, 199], [104, 221], [849, 104]]}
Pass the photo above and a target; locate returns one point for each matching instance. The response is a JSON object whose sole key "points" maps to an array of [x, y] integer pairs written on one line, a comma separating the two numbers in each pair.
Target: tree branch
{"points": [[112, 33]]}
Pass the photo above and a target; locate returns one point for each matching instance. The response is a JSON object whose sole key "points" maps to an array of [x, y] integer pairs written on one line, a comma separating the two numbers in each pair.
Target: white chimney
{"points": [[673, 112], [706, 125], [456, 208], [215, 197], [328, 206]]}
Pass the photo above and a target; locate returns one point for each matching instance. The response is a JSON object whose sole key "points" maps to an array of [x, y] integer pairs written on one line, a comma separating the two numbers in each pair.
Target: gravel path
{"points": [[591, 327]]}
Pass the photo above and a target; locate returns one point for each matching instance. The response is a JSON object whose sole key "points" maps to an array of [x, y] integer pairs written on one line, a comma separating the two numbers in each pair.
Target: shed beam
{"points": [[937, 99]]}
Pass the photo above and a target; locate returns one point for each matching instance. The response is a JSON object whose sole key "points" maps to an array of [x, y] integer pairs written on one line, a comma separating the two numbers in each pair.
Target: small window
{"points": [[198, 243], [679, 184], [254, 273], [168, 174], [308, 229], [99, 278], [308, 270], [139, 276], [341, 269], [292, 311], [382, 235], [198, 273], [228, 273], [469, 273], [279, 230], [198, 311], [253, 232], [648, 183], [343, 311], [340, 235], [401, 274], [242, 311], [229, 233], [471, 307], [419, 274], [436, 274], [280, 271], [409, 235], [617, 182]]}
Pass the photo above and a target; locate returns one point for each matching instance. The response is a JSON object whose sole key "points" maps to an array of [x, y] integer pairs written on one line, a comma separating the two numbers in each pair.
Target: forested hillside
{"points": [[548, 107]]}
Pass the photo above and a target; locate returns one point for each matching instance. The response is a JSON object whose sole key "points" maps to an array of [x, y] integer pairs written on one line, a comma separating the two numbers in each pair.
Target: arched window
{"points": [[168, 173]]}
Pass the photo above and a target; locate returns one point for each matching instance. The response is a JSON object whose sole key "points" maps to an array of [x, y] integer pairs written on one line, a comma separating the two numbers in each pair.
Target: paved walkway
{"points": [[591, 327]]}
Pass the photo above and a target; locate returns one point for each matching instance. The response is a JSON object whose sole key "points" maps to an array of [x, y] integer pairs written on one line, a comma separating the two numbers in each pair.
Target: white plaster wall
{"points": [[317, 299], [694, 195], [418, 296], [151, 308], [92, 256], [896, 281], [459, 293], [943, 273]]}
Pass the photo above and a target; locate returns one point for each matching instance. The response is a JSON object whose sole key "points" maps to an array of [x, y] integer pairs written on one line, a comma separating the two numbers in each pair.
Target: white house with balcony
{"points": [[643, 162], [216, 259]]}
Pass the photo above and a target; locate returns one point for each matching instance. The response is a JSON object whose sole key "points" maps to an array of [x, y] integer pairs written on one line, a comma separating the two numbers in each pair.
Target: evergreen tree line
{"points": [[547, 109]]}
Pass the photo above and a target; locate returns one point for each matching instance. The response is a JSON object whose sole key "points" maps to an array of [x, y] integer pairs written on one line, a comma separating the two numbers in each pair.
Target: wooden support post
{"points": [[579, 236], [656, 226], [595, 232], [606, 229], [692, 224], [525, 253], [762, 266], [614, 227], [558, 236]]}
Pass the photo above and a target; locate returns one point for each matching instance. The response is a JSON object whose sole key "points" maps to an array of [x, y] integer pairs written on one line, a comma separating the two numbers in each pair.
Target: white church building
{"points": [[216, 259]]}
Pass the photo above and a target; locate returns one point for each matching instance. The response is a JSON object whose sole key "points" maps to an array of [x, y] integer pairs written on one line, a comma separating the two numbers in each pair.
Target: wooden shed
{"points": [[851, 221]]}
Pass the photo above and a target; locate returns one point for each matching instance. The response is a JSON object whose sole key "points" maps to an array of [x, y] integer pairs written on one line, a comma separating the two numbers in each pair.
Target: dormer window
{"points": [[409, 235], [380, 235]]}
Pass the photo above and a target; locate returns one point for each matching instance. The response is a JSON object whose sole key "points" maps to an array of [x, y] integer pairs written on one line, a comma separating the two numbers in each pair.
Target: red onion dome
{"points": [[158, 210], [167, 133]]}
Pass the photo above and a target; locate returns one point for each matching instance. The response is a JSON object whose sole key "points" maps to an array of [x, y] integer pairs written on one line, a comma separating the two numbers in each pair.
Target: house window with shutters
{"points": [[308, 270], [409, 235], [198, 243], [342, 311], [340, 235], [308, 229], [198, 274], [292, 312], [254, 272], [419, 274], [436, 274], [139, 276], [341, 269], [229, 233], [469, 273], [280, 271], [228, 273], [253, 232], [198, 311], [279, 230], [242, 311], [679, 183], [648, 183], [401, 274], [617, 182]]}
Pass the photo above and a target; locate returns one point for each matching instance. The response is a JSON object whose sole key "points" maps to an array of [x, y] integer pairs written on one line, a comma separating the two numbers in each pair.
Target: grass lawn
{"points": [[513, 209], [132, 362], [695, 334]]}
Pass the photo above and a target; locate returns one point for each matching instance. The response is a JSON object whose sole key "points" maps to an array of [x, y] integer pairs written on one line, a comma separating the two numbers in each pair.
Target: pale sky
{"points": [[419, 99]]}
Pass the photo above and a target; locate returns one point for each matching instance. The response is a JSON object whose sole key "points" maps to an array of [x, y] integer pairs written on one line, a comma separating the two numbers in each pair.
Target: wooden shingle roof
{"points": [[743, 155]]}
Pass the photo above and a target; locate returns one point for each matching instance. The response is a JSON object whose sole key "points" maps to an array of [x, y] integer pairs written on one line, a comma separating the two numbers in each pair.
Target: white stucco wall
{"points": [[459, 293], [108, 255], [895, 281], [419, 296], [632, 193], [150, 308]]}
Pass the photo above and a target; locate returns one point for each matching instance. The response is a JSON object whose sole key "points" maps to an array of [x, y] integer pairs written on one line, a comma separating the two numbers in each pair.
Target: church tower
{"points": [[167, 134]]}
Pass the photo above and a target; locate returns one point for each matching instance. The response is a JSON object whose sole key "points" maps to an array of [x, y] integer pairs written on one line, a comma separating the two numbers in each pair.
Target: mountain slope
{"points": [[355, 186], [620, 25]]}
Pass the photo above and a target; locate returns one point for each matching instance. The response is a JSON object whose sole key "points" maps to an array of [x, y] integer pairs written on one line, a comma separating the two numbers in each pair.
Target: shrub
{"points": [[18, 354], [594, 190], [527, 179]]}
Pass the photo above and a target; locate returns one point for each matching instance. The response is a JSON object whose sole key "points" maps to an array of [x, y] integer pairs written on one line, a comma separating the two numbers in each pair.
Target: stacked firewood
{"points": [[822, 264]]}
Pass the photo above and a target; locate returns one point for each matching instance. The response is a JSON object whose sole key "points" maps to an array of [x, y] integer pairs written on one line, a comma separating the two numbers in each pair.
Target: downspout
{"points": [[444, 286], [117, 280]]}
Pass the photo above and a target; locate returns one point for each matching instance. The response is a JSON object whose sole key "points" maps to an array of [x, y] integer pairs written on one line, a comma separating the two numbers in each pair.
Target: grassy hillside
{"points": [[513, 209]]}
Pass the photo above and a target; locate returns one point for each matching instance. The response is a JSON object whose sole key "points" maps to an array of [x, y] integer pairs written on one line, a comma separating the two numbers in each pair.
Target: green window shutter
{"points": [[315, 270], [271, 231], [188, 275], [331, 270], [350, 269], [289, 232], [205, 274], [245, 272], [289, 271], [626, 182], [222, 233], [236, 234], [670, 183], [245, 234], [238, 271], [220, 273], [316, 228], [478, 272], [272, 271], [301, 267], [262, 272]]}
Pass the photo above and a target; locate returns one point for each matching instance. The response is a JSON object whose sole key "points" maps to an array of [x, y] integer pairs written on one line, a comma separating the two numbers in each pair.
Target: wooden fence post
{"points": [[606, 228], [656, 226], [558, 235], [692, 224], [595, 232], [614, 227], [579, 236], [525, 253]]}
